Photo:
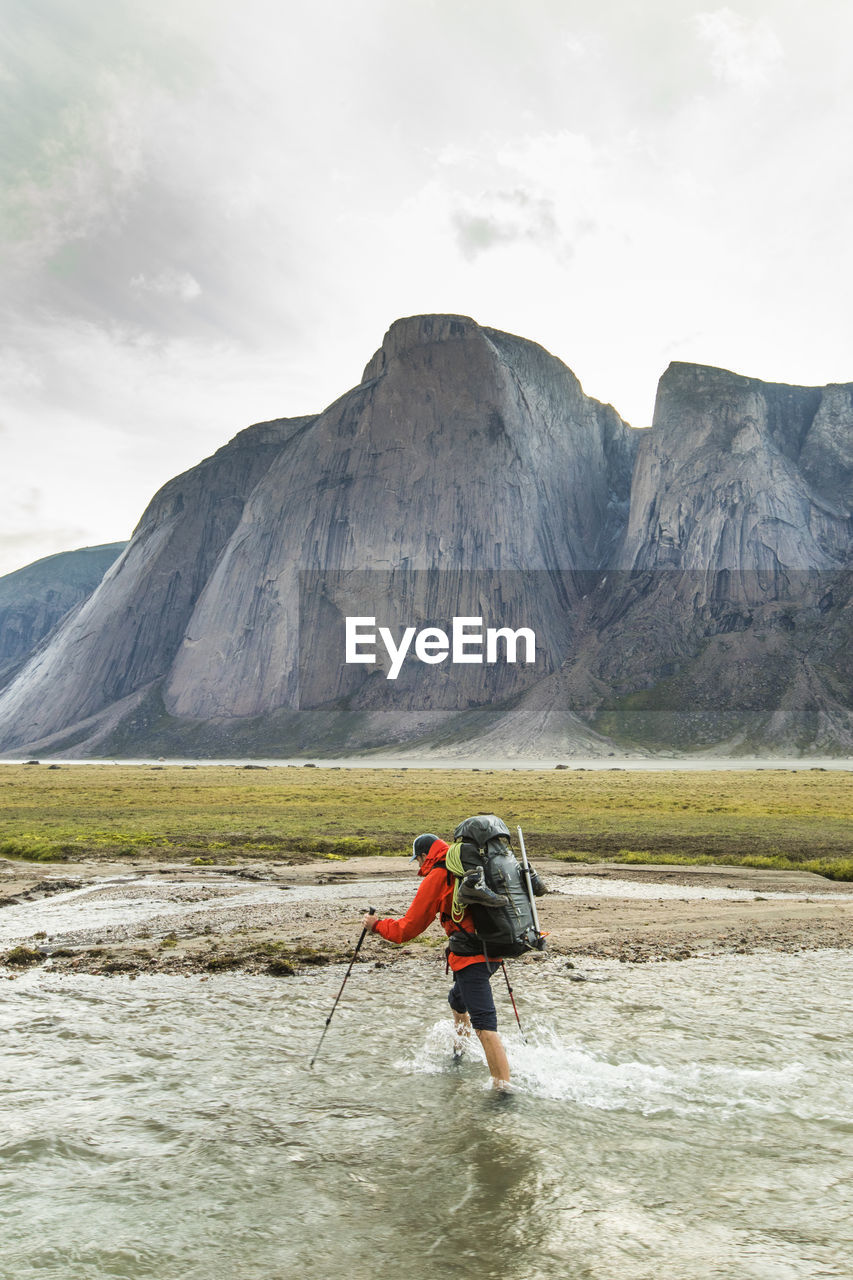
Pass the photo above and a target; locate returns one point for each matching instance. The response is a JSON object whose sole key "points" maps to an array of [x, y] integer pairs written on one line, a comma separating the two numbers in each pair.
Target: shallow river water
{"points": [[676, 1121]]}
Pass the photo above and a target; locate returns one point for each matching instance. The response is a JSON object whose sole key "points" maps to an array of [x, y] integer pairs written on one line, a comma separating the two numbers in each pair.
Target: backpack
{"points": [[507, 930]]}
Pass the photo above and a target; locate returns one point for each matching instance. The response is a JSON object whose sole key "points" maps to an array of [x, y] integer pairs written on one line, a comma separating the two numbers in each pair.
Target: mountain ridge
{"points": [[690, 582]]}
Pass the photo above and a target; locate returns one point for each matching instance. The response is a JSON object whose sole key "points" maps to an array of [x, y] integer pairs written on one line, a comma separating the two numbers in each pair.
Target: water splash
{"points": [[442, 1052], [549, 1066], [546, 1065]]}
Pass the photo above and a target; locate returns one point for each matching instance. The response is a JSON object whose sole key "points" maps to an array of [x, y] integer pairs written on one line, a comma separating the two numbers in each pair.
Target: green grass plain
{"points": [[777, 818]]}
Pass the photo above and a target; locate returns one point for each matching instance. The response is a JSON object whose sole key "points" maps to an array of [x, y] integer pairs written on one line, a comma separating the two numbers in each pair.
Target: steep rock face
{"points": [[462, 450], [726, 624], [126, 633], [826, 457], [741, 475], [34, 599]]}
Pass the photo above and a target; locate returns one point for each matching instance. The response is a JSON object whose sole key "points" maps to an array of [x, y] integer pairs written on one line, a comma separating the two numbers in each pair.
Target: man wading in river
{"points": [[470, 997]]}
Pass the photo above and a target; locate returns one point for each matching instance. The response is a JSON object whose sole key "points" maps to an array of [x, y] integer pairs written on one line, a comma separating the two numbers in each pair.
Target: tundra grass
{"points": [[210, 813]]}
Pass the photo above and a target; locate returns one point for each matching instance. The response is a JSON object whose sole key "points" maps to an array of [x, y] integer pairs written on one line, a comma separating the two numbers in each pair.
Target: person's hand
{"points": [[369, 920]]}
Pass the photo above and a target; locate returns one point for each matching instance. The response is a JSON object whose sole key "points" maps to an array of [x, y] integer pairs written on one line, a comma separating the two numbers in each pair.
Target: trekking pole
{"points": [[371, 912], [527, 880], [512, 998]]}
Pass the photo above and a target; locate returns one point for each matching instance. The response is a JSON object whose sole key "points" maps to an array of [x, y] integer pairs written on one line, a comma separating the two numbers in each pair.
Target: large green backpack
{"points": [[508, 930]]}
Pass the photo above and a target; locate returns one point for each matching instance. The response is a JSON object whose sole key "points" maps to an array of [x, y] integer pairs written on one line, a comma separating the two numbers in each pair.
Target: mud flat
{"points": [[283, 917]]}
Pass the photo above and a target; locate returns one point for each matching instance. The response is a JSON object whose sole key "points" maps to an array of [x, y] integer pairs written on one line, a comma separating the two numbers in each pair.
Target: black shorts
{"points": [[471, 993]]}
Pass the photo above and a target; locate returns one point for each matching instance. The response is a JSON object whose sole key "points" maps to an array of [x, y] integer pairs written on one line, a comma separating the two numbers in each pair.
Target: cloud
{"points": [[503, 218], [76, 171], [553, 188], [104, 417], [20, 549], [215, 211], [18, 371], [743, 52], [32, 533], [169, 283]]}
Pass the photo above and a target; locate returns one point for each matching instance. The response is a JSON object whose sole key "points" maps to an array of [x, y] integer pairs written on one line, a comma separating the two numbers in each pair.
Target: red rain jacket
{"points": [[432, 899]]}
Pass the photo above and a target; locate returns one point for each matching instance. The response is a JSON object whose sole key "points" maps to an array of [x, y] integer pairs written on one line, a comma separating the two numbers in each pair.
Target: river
{"points": [[670, 1122]]}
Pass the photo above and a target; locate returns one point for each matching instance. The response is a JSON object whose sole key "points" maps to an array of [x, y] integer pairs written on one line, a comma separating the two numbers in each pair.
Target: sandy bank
{"points": [[283, 917]]}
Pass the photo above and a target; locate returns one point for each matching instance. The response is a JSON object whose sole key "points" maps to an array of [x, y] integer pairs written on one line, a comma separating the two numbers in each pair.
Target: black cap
{"points": [[421, 845]]}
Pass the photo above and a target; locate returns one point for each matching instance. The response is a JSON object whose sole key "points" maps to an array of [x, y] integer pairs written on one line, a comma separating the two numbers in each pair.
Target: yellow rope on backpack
{"points": [[453, 862]]}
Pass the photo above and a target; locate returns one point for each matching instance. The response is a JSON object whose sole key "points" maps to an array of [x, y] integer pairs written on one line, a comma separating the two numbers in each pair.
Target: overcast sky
{"points": [[212, 211]]}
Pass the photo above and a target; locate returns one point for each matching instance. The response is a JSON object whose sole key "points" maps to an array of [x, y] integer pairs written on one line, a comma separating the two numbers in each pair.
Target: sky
{"points": [[211, 212]]}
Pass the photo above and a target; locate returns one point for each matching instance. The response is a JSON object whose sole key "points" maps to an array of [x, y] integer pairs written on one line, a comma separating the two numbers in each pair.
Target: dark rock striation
{"points": [[689, 585]]}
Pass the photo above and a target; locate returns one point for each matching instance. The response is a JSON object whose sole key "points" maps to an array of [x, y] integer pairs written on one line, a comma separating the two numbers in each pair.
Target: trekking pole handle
{"points": [[527, 880]]}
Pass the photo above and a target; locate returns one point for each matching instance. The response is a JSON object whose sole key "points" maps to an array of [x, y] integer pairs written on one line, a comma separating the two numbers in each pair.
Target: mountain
{"points": [[728, 626], [34, 599], [467, 464], [743, 476], [689, 586]]}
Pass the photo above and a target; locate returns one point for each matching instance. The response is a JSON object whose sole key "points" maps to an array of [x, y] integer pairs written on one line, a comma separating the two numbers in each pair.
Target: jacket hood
{"points": [[437, 850]]}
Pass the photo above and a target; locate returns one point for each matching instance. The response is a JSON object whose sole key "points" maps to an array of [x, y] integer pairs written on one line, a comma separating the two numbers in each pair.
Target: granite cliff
{"points": [[466, 466], [742, 476], [690, 585], [727, 626]]}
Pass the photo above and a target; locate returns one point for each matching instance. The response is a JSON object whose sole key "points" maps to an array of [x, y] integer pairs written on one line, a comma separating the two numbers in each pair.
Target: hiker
{"points": [[470, 997]]}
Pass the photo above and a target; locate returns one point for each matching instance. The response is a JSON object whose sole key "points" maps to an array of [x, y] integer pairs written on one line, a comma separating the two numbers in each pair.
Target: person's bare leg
{"points": [[462, 1028], [495, 1057]]}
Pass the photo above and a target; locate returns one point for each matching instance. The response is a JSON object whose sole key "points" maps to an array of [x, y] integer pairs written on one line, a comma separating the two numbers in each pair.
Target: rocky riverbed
{"points": [[283, 917]]}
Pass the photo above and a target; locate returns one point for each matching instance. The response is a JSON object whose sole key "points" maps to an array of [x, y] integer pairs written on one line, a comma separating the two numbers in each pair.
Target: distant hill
{"points": [[690, 586], [34, 599]]}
